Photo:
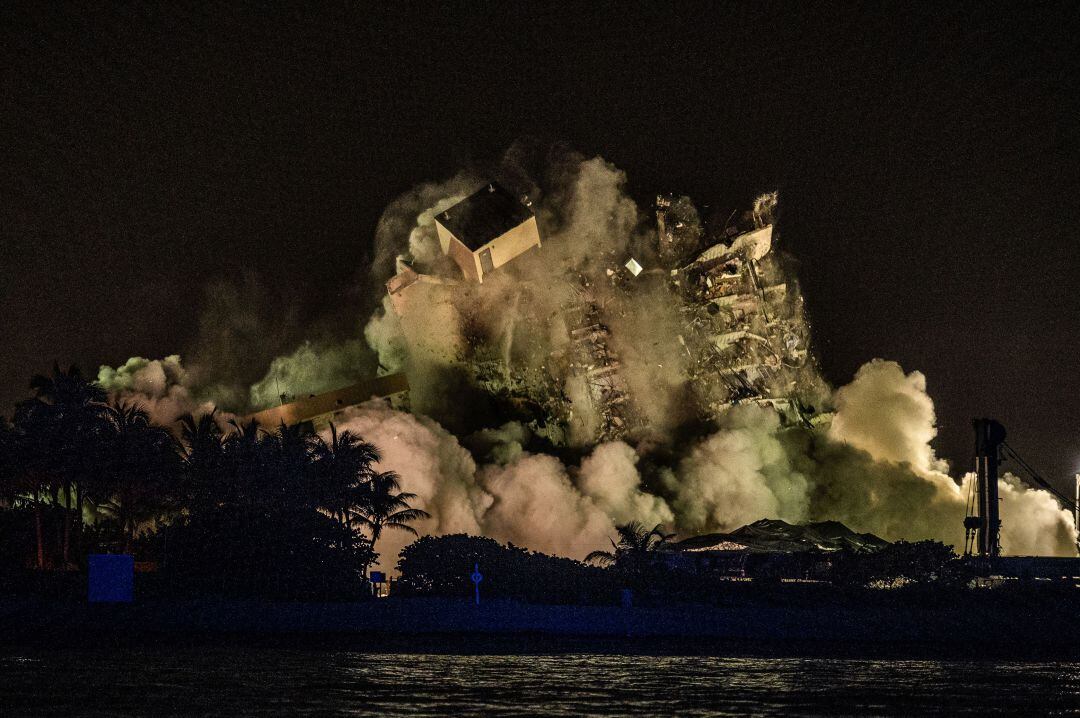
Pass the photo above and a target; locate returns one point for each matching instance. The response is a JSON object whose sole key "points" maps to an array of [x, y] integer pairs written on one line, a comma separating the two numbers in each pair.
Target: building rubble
{"points": [[742, 329], [597, 366], [746, 335]]}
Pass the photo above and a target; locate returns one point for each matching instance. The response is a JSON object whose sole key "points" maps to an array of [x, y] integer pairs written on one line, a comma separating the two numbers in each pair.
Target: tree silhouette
{"points": [[68, 391], [245, 459], [203, 460], [140, 469], [343, 468], [259, 511], [384, 505], [288, 469], [246, 511], [633, 548], [59, 428]]}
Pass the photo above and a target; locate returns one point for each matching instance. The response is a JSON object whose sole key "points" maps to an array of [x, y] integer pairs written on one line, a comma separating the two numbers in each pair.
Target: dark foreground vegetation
{"points": [[231, 523], [232, 511], [639, 603], [642, 571]]}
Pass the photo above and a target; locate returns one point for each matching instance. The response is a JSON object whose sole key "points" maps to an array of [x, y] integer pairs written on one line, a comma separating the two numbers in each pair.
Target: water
{"points": [[261, 682]]}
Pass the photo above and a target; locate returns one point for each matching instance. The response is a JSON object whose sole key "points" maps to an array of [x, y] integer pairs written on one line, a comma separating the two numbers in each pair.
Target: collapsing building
{"points": [[746, 333], [546, 343], [594, 366]]}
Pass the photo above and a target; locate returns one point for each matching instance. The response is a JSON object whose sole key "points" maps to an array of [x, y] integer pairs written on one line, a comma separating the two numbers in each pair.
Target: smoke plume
{"points": [[161, 386]]}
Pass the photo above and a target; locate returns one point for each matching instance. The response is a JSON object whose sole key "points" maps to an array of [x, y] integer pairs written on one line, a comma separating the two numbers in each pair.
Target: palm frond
{"points": [[409, 514], [601, 557], [401, 527]]}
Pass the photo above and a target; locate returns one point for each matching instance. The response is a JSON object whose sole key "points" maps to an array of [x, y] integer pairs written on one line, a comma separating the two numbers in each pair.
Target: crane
{"points": [[982, 524]]}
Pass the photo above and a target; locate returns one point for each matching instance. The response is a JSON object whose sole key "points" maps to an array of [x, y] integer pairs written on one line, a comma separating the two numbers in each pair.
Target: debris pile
{"points": [[774, 535], [746, 335]]}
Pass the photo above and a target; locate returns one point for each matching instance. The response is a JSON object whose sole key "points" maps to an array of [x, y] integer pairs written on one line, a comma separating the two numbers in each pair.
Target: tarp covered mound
{"points": [[774, 535]]}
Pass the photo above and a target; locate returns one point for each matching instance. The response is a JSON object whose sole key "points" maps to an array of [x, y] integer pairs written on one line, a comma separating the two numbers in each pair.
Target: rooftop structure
{"points": [[486, 230]]}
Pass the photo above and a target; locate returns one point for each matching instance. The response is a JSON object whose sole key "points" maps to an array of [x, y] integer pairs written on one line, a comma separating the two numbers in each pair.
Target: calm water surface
{"points": [[254, 682]]}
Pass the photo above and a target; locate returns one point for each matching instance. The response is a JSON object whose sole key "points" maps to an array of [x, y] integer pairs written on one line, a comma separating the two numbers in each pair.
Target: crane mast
{"points": [[983, 523]]}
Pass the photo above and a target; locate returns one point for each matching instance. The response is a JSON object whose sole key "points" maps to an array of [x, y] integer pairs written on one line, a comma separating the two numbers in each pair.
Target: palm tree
{"points": [[140, 463], [59, 426], [385, 505], [245, 463], [343, 465], [68, 389], [288, 469], [203, 458], [264, 471], [634, 546], [31, 443]]}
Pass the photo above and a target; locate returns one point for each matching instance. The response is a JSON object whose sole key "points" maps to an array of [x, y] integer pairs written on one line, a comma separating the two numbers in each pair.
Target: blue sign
{"points": [[477, 577], [377, 577], [112, 578]]}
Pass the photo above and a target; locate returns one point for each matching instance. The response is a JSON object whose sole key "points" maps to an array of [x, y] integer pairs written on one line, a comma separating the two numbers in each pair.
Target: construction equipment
{"points": [[982, 525]]}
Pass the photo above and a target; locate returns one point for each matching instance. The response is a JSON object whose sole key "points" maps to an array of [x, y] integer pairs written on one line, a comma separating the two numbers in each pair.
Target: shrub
{"points": [[442, 565]]}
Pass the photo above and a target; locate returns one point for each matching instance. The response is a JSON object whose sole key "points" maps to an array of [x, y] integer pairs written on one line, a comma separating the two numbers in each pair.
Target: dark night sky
{"points": [[928, 162]]}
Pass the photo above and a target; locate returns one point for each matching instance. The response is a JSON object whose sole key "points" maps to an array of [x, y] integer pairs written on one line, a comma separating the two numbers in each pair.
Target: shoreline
{"points": [[428, 625]]}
